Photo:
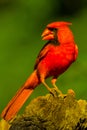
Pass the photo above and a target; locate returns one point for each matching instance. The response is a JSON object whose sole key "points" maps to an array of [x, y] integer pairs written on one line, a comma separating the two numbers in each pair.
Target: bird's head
{"points": [[58, 31]]}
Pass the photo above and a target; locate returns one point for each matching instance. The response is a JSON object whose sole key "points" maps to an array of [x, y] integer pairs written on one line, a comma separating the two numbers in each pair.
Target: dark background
{"points": [[21, 25]]}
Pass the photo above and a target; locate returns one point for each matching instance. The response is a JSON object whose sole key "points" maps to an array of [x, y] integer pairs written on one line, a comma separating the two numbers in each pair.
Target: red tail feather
{"points": [[21, 96]]}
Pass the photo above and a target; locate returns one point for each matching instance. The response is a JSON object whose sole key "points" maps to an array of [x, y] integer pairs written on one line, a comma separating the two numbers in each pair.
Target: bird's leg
{"points": [[51, 90], [45, 84], [53, 81]]}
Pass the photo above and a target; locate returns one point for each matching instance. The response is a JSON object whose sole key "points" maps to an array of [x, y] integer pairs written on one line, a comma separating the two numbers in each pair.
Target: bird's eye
{"points": [[52, 29]]}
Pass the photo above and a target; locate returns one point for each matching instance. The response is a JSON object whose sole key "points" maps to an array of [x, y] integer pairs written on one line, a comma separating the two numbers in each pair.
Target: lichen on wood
{"points": [[53, 112]]}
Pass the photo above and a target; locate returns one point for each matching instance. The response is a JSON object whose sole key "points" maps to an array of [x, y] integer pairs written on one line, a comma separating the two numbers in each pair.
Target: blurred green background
{"points": [[21, 25]]}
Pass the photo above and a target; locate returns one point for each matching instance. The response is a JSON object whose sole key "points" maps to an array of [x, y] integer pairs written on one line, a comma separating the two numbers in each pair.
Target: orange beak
{"points": [[47, 35]]}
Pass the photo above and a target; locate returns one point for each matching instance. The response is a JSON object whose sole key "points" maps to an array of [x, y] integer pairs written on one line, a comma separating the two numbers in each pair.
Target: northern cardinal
{"points": [[54, 58]]}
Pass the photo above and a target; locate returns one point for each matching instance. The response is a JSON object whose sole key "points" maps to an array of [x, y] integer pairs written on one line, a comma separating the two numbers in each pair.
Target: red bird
{"points": [[54, 58]]}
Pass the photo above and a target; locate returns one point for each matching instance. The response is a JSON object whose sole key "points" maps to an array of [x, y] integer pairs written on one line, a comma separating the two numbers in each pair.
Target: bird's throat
{"points": [[54, 42]]}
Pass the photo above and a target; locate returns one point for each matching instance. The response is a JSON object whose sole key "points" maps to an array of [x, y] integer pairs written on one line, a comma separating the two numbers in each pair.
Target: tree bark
{"points": [[53, 112]]}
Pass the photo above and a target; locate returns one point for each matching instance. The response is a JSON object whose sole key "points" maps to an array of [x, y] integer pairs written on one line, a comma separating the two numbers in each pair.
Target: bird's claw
{"points": [[56, 92]]}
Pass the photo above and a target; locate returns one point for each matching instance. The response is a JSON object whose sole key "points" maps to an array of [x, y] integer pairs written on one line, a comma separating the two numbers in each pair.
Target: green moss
{"points": [[53, 112]]}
